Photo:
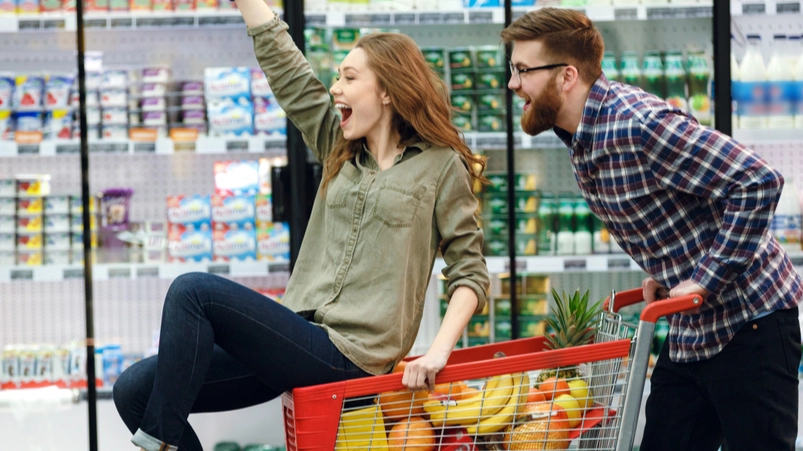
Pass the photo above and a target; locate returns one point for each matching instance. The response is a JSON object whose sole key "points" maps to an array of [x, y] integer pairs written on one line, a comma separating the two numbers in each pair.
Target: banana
{"points": [[468, 411], [521, 388]]}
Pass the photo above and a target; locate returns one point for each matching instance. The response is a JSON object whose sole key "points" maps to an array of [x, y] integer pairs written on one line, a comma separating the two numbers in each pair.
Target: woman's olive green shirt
{"points": [[370, 246]]}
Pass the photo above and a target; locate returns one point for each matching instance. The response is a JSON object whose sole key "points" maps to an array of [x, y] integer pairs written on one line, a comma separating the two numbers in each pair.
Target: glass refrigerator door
{"points": [[41, 292]]}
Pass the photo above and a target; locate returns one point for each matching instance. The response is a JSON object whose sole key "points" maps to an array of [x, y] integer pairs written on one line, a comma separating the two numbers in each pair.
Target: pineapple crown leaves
{"points": [[572, 320]]}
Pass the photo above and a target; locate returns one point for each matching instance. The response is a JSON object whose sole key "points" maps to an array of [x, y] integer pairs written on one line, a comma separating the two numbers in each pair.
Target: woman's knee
{"points": [[185, 286], [132, 390]]}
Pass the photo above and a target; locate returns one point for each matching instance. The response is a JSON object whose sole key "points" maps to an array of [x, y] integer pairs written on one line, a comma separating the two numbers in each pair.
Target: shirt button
{"points": [[361, 196], [354, 228], [347, 260]]}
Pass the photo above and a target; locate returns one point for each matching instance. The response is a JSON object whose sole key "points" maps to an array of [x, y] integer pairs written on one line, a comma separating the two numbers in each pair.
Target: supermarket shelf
{"points": [[764, 7], [215, 19], [252, 144], [57, 273], [768, 136], [556, 264]]}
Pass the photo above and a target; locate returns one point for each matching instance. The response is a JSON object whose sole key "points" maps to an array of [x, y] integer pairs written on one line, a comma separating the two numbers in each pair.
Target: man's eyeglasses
{"points": [[516, 72]]}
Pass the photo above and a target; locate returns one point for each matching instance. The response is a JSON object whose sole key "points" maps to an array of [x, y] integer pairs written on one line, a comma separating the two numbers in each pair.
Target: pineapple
{"points": [[575, 324]]}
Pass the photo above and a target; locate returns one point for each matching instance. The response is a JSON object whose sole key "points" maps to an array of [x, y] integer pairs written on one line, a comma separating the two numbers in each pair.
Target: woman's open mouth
{"points": [[345, 113]]}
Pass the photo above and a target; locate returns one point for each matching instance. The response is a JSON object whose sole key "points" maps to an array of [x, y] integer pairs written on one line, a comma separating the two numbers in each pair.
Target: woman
{"points": [[396, 189]]}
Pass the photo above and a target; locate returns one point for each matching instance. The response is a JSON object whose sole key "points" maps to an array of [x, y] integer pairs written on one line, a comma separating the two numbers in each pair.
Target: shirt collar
{"points": [[584, 136], [366, 161]]}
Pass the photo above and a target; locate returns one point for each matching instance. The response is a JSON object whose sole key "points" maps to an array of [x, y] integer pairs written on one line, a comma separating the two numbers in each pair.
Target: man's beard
{"points": [[543, 111]]}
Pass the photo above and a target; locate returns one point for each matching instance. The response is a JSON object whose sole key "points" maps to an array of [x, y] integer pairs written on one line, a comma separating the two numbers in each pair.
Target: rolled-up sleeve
{"points": [[300, 94], [461, 236]]}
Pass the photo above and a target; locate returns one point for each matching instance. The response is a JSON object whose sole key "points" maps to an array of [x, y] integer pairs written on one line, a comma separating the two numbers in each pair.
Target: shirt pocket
{"points": [[337, 192], [396, 206]]}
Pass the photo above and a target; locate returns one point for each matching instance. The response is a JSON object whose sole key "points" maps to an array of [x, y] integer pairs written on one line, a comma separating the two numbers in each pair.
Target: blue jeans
{"points": [[222, 347]]}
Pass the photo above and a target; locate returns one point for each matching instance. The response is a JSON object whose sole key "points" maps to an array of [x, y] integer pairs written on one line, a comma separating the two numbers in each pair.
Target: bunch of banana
{"points": [[484, 404], [502, 418]]}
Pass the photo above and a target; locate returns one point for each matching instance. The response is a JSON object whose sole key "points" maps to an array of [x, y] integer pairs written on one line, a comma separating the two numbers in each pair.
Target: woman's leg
{"points": [[229, 385], [282, 350]]}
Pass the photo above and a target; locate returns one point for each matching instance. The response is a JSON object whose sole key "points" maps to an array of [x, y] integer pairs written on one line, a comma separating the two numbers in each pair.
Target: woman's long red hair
{"points": [[422, 111]]}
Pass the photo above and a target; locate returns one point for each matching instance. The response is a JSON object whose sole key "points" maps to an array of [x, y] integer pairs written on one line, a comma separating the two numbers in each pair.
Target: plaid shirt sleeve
{"points": [[685, 156]]}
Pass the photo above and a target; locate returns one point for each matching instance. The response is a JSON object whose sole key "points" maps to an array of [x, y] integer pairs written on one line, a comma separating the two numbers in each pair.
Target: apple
{"points": [[579, 390], [572, 407]]}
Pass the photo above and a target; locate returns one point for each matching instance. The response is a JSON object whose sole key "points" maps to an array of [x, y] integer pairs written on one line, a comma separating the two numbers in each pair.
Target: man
{"points": [[693, 208]]}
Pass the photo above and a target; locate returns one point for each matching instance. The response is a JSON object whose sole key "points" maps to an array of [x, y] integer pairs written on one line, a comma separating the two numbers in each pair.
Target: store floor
{"points": [[52, 428]]}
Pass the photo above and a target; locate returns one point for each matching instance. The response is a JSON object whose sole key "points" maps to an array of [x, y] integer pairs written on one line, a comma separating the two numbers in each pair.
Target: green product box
{"points": [[501, 307], [533, 305], [526, 284], [460, 81], [531, 326], [496, 246], [526, 202], [345, 38], [434, 56], [523, 182], [496, 203], [461, 59], [491, 102], [503, 329], [490, 57], [479, 326], [498, 225], [493, 122], [491, 80], [463, 101], [463, 122], [314, 36]]}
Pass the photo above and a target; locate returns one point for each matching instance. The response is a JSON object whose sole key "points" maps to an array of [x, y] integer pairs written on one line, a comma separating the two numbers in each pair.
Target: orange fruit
{"points": [[554, 387], [468, 392], [415, 434], [535, 395], [450, 389]]}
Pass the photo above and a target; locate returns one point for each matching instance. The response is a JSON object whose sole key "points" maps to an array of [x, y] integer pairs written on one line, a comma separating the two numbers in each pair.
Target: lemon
{"points": [[572, 408], [579, 390]]}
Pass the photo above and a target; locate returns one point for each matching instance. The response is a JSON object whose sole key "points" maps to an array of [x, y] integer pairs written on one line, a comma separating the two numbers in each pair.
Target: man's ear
{"points": [[569, 78]]}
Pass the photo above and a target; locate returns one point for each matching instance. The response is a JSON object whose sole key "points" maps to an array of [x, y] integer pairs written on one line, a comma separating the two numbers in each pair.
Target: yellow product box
{"points": [[479, 326]]}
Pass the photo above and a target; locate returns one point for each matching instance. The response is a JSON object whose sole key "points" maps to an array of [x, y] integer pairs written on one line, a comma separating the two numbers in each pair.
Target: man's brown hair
{"points": [[567, 36]]}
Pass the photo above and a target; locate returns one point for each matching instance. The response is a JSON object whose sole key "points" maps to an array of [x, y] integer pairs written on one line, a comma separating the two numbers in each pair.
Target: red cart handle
{"points": [[657, 309]]}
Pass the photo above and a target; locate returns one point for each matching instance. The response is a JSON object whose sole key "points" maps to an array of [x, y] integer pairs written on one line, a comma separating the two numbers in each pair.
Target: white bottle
{"points": [[799, 84], [749, 92], [780, 77], [787, 221], [735, 77]]}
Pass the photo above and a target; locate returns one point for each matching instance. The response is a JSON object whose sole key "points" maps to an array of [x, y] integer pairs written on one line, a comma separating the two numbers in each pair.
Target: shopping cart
{"points": [[484, 399]]}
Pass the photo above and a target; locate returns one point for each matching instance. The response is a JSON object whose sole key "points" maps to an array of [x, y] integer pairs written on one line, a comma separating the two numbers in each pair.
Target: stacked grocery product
{"points": [[38, 227], [493, 324], [141, 104], [28, 7], [684, 83], [235, 223], [42, 365], [771, 95], [495, 214], [476, 80]]}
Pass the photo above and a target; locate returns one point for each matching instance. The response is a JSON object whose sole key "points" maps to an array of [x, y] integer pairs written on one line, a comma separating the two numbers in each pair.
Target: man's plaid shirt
{"points": [[686, 202]]}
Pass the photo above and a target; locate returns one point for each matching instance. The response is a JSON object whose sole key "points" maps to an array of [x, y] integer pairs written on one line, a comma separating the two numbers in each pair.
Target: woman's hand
{"points": [[420, 374], [255, 12]]}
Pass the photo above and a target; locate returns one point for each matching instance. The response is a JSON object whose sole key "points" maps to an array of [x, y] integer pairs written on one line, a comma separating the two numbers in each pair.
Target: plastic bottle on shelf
{"points": [[546, 239], [735, 77], [582, 231], [799, 84], [565, 239], [675, 76], [630, 72], [786, 222], [602, 239], [652, 74], [780, 85], [749, 92], [609, 67], [699, 77]]}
